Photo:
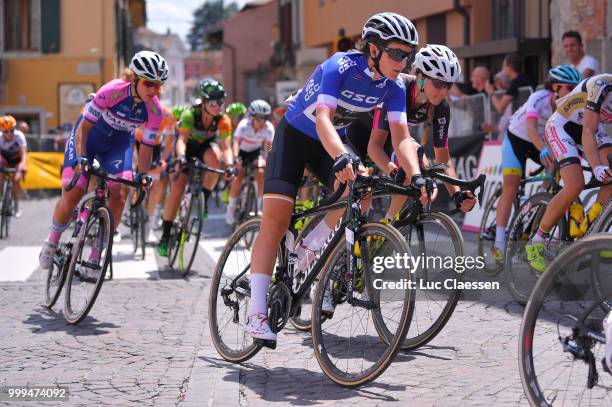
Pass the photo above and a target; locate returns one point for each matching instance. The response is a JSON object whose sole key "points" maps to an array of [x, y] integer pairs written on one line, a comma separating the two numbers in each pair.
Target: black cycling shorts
{"points": [[523, 149], [196, 150], [292, 151], [155, 157], [358, 136], [249, 156]]}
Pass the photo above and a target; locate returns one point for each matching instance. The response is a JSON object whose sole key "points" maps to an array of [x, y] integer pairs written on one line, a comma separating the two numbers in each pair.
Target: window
{"points": [[436, 29], [504, 18], [21, 22]]}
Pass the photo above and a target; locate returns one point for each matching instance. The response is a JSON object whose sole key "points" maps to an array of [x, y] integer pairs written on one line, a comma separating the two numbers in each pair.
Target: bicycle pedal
{"points": [[265, 342], [92, 266]]}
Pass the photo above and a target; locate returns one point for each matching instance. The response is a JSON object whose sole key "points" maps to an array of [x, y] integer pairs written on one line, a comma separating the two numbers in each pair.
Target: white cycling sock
{"points": [[607, 323], [259, 292], [232, 202], [315, 239], [500, 237]]}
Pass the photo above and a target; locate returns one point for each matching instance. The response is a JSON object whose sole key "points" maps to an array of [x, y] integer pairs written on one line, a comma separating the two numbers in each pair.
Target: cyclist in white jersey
{"points": [[525, 139], [578, 122], [252, 139], [13, 154]]}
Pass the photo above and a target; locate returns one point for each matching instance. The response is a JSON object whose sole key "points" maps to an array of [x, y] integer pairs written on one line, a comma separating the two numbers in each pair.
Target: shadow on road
{"points": [[47, 320]]}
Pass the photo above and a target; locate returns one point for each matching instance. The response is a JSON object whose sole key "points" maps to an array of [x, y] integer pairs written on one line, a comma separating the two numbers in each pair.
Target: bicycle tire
{"points": [[532, 388], [302, 320], [603, 223], [224, 349], [142, 219], [7, 209], [488, 231], [187, 233], [414, 340], [101, 213], [56, 275], [321, 350], [519, 234], [3, 209], [134, 228]]}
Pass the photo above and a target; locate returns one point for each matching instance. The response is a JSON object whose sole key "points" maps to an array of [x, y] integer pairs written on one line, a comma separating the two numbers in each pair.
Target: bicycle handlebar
{"points": [[195, 163], [98, 172]]}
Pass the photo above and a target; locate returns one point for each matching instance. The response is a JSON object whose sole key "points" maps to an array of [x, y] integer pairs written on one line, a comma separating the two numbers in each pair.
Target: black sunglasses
{"points": [[399, 55], [438, 84], [215, 102], [260, 118]]}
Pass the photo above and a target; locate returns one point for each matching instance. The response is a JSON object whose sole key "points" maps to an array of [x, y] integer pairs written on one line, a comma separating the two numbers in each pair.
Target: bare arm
{"points": [[589, 131], [331, 140], [226, 148], [405, 148], [144, 158], [181, 142], [500, 104], [443, 157], [376, 150], [81, 137]]}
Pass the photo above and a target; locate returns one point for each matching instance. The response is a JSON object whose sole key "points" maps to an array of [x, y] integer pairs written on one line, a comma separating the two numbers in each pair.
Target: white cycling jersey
{"points": [[539, 106], [251, 140], [12, 148]]}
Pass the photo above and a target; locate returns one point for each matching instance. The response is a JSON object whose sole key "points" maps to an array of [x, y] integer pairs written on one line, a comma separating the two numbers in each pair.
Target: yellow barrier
{"points": [[44, 171]]}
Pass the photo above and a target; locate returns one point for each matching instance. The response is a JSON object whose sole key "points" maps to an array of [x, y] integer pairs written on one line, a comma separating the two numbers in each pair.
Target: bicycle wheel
{"points": [[3, 215], [603, 223], [488, 231], [142, 220], [559, 349], [90, 258], [347, 345], [56, 275], [7, 209], [301, 320], [189, 234], [230, 292], [520, 277], [433, 237]]}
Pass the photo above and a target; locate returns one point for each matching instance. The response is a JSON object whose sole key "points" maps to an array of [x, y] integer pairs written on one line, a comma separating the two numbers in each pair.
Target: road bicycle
{"points": [[347, 345], [85, 249], [519, 276], [6, 200], [561, 340], [246, 202], [187, 228], [488, 224]]}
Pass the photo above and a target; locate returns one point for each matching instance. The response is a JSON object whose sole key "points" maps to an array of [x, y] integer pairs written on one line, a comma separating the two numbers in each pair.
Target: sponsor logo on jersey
{"points": [[116, 95], [572, 103], [345, 63], [153, 108], [442, 120], [310, 89], [116, 163], [357, 97]]}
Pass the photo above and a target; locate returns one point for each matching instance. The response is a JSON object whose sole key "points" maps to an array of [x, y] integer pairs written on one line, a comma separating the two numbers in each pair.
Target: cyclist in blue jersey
{"points": [[104, 132], [309, 135]]}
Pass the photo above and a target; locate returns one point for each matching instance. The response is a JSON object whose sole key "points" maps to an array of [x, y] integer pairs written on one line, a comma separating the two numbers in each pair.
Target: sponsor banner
{"points": [[44, 170]]}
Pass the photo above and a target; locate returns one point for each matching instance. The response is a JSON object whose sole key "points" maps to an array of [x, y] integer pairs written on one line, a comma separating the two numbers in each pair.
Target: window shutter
{"points": [[50, 26]]}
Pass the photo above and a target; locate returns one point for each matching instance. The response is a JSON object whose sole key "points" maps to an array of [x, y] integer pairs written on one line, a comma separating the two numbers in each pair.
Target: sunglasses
{"points": [[260, 118], [399, 55], [150, 84], [438, 84], [215, 102], [556, 87]]}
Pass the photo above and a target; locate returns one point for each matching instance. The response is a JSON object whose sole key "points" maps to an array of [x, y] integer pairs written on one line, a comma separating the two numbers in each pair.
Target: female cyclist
{"points": [[309, 135], [104, 132], [525, 139]]}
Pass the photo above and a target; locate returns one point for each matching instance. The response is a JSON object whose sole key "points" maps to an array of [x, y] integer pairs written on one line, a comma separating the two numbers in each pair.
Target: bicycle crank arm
{"points": [[369, 305]]}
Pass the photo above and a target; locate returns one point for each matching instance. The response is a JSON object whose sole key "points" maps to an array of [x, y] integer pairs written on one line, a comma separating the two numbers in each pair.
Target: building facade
{"points": [[248, 45], [199, 65], [54, 52], [172, 48]]}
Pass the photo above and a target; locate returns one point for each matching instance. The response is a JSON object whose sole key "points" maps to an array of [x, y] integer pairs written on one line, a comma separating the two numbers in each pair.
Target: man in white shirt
{"points": [[574, 52]]}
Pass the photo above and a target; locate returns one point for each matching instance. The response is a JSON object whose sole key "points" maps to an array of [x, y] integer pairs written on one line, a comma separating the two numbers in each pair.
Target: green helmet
{"points": [[177, 111], [236, 109], [211, 89]]}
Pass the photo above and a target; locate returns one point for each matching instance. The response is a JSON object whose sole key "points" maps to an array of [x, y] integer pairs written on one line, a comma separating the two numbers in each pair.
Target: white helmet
{"points": [[260, 107], [150, 65], [391, 26], [438, 62]]}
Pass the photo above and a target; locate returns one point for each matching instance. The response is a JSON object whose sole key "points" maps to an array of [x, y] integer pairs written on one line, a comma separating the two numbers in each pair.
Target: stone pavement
{"points": [[147, 343]]}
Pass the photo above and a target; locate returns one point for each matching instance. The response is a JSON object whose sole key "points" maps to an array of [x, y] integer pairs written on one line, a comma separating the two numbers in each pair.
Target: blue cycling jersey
{"points": [[344, 82]]}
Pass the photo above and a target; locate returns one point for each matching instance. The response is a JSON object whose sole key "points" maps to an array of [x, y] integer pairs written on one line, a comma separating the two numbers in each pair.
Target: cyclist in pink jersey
{"points": [[104, 132]]}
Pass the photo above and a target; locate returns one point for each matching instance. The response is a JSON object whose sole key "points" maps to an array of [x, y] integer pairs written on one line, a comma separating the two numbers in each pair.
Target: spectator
{"points": [[23, 127], [480, 76], [574, 52], [501, 81], [512, 68]]}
